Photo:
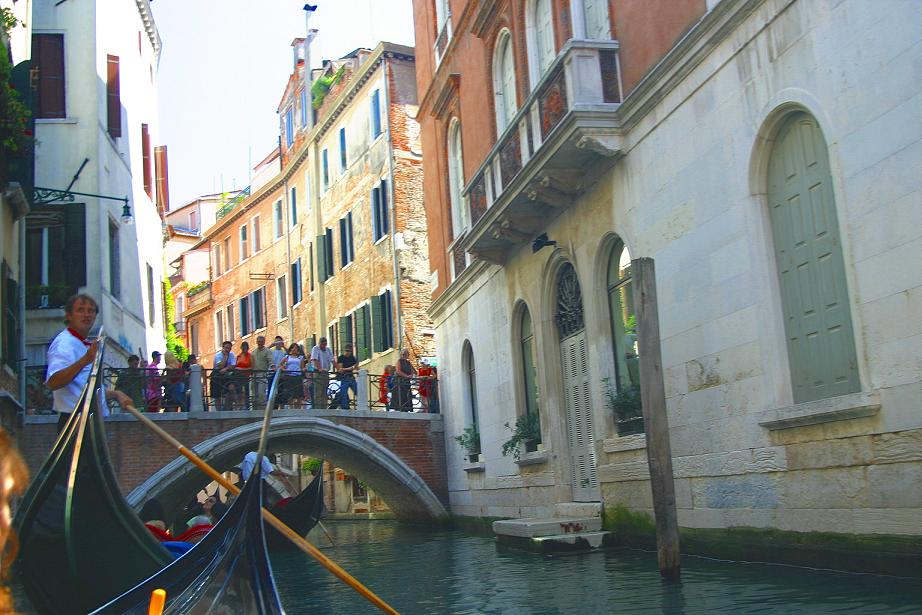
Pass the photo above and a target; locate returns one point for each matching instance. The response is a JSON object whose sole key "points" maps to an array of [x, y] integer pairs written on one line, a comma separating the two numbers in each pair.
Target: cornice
{"points": [[150, 26], [485, 17], [461, 284], [686, 55]]}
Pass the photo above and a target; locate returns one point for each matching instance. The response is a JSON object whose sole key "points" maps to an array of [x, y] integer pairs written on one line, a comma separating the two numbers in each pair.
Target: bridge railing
{"points": [[196, 389]]}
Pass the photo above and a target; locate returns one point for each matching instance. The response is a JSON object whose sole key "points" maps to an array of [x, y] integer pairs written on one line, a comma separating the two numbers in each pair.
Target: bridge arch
{"points": [[405, 492]]}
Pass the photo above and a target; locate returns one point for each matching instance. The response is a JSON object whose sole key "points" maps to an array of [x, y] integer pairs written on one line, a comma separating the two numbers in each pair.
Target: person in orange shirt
{"points": [[384, 386], [243, 372]]}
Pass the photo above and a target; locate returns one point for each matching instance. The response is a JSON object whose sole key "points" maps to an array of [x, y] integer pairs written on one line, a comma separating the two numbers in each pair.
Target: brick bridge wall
{"points": [[136, 452]]}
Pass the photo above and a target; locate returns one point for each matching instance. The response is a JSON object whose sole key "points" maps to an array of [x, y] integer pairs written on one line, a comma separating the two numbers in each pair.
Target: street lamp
{"points": [[46, 196]]}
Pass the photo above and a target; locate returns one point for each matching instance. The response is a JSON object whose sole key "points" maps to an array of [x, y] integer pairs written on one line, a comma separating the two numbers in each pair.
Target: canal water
{"points": [[422, 571]]}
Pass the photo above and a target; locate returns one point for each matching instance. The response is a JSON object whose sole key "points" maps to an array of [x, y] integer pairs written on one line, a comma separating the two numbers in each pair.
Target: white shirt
{"points": [[249, 461], [323, 357], [277, 355], [219, 357], [64, 351]]}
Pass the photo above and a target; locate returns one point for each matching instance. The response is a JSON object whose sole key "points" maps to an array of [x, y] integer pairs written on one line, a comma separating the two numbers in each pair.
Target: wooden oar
{"points": [[274, 521]]}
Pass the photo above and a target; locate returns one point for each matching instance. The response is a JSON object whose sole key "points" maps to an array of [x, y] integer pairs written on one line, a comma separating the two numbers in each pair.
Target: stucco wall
{"points": [[690, 192]]}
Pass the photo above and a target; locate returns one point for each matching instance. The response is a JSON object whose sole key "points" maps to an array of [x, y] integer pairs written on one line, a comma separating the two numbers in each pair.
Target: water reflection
{"points": [[419, 571]]}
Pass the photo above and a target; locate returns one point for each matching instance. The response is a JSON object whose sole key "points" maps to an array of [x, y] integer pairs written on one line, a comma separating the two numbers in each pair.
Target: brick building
{"points": [[333, 243], [735, 143]]}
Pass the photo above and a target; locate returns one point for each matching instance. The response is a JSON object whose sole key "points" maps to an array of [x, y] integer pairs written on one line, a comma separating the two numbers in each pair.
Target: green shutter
{"points": [[811, 268], [361, 336], [377, 321], [321, 257], [388, 312]]}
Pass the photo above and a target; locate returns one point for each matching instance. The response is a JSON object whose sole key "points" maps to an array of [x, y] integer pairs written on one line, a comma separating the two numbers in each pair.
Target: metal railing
{"points": [[200, 390]]}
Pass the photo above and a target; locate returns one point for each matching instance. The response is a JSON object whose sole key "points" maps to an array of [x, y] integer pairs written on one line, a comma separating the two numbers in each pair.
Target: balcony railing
{"points": [[544, 160], [200, 297], [232, 204]]}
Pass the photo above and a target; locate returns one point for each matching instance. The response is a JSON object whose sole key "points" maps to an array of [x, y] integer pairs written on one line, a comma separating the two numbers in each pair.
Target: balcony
{"points": [[197, 298], [558, 142]]}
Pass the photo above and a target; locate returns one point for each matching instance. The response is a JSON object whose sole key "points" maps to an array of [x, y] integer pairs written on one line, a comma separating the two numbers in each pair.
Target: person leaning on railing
{"points": [[262, 359], [242, 376], [221, 385], [405, 374], [130, 381]]}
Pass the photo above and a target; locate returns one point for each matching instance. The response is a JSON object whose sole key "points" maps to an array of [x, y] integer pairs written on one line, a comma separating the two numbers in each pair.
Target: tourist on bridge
{"points": [[242, 372], [222, 385], [402, 396], [262, 359], [291, 388], [71, 355], [277, 352], [345, 373], [322, 360]]}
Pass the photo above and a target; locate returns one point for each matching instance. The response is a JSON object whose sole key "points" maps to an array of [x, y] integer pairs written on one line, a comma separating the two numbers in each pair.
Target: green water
{"points": [[422, 571]]}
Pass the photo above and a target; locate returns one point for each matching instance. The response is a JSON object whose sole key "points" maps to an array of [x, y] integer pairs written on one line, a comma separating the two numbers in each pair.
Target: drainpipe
{"points": [[22, 311], [287, 223], [390, 188]]}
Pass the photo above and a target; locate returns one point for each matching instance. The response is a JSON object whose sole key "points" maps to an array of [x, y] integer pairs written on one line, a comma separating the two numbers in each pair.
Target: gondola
{"points": [[82, 546], [227, 572], [80, 543], [301, 513]]}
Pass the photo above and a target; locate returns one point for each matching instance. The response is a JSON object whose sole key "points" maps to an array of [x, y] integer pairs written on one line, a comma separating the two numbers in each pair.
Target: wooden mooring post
{"points": [[656, 423]]}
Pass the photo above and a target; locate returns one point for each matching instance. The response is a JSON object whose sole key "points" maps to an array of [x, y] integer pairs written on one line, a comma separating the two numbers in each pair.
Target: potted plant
{"points": [[470, 442], [625, 404], [527, 431]]}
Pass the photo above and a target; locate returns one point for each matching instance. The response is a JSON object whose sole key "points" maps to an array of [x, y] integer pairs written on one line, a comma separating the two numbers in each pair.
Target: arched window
{"points": [[597, 23], [470, 376], [625, 394], [504, 82], [456, 179], [811, 269], [529, 372], [540, 36]]}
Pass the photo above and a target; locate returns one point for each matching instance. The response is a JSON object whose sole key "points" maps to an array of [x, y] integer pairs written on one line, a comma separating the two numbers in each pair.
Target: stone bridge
{"points": [[400, 455]]}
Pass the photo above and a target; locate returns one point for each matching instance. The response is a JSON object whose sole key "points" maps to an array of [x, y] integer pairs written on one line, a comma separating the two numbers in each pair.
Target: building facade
{"points": [[95, 103], [16, 45], [334, 243], [761, 152]]}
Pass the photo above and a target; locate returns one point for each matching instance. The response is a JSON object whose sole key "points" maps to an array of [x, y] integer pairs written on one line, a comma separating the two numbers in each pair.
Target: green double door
{"points": [[811, 269]]}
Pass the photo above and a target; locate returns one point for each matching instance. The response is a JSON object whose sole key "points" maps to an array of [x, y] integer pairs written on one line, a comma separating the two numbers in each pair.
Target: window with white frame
{"points": [[539, 31], [254, 224], [289, 128], [227, 254], [325, 161], [216, 260], [278, 219], [252, 311], [504, 82], [456, 179], [374, 120], [343, 152], [598, 26], [229, 321], [281, 296], [379, 213], [244, 243], [218, 328], [346, 247]]}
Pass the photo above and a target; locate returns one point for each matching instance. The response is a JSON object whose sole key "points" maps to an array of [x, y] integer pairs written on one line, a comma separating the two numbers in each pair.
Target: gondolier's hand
{"points": [[120, 397], [90, 354]]}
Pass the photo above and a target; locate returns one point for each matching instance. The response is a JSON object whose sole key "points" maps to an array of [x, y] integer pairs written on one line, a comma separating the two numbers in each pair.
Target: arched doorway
{"points": [[574, 359]]}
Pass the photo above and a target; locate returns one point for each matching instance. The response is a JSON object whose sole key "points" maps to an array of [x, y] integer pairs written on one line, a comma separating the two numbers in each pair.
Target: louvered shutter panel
{"points": [[579, 417], [361, 333], [113, 98], [383, 213], [375, 225], [321, 257], [377, 324], [48, 57], [73, 252], [145, 161]]}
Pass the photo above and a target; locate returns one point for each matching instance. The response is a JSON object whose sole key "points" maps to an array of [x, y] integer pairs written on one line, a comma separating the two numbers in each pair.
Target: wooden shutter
{"points": [[322, 257], [162, 178], [145, 160], [377, 325], [113, 98], [387, 311], [545, 34], [597, 21], [345, 332], [48, 58], [329, 253], [343, 245], [349, 237], [361, 333], [382, 208], [375, 223], [811, 268], [575, 363], [73, 251]]}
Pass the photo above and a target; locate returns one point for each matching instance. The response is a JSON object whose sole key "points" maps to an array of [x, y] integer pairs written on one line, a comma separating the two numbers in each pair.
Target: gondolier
{"points": [[70, 356]]}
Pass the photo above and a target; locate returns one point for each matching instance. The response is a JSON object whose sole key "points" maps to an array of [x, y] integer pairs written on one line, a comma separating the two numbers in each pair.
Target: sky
{"points": [[223, 69]]}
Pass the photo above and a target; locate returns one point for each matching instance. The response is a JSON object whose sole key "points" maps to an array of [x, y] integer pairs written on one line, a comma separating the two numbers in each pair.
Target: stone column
{"points": [[361, 394], [196, 390]]}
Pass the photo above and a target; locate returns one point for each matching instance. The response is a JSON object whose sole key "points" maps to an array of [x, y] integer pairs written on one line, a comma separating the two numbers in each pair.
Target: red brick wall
{"points": [[137, 453]]}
